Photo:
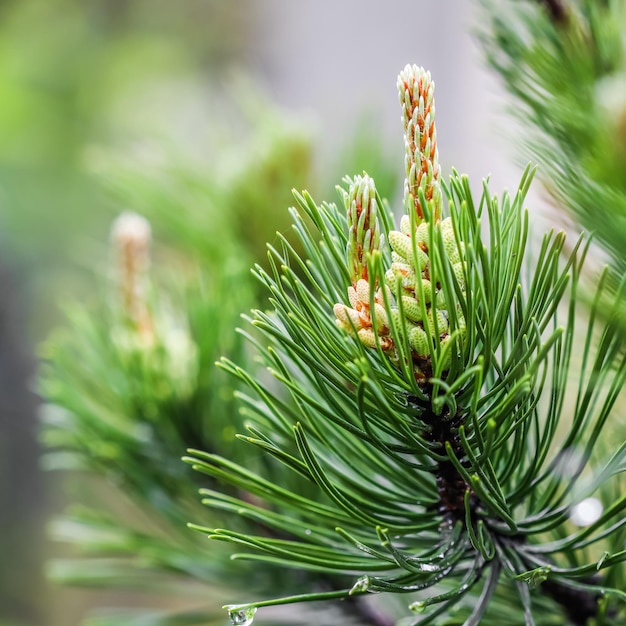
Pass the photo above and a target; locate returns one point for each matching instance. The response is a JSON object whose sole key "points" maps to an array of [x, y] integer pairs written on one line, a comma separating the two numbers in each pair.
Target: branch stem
{"points": [[579, 606], [451, 486]]}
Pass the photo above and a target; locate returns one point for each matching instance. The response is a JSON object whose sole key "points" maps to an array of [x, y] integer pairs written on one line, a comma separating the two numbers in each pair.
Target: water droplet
{"points": [[307, 531], [361, 585], [605, 555], [241, 617], [417, 607]]}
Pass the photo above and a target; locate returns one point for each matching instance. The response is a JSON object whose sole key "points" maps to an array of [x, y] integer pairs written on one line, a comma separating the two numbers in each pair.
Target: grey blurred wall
{"points": [[337, 58]]}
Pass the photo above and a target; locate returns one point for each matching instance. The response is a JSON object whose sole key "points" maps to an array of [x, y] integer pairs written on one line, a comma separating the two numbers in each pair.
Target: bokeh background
{"points": [[93, 89]]}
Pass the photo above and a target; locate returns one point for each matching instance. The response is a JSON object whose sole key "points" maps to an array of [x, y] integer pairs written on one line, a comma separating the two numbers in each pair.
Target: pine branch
{"points": [[567, 85], [451, 486], [416, 412], [411, 439], [578, 605]]}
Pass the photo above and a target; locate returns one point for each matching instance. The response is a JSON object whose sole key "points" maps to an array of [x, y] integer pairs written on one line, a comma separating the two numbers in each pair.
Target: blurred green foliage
{"points": [[74, 74], [111, 105], [566, 71]]}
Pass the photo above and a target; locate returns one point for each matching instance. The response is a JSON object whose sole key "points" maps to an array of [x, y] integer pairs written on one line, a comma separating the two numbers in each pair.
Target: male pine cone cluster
{"points": [[406, 297]]}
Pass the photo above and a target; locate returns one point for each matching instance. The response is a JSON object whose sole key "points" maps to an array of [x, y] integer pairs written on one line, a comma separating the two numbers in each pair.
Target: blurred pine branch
{"points": [[429, 412], [565, 69]]}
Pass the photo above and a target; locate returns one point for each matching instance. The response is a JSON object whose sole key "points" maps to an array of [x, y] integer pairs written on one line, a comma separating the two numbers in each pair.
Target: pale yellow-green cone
{"points": [[423, 314], [363, 239], [424, 307], [153, 337], [419, 341], [416, 92], [364, 233], [426, 321], [131, 237], [441, 318], [402, 245], [412, 309]]}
